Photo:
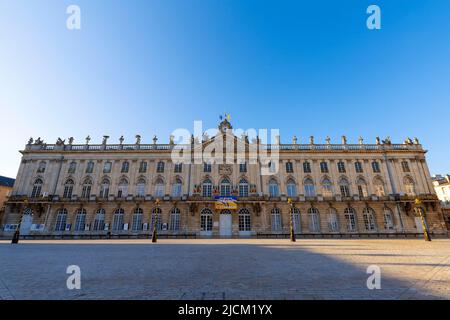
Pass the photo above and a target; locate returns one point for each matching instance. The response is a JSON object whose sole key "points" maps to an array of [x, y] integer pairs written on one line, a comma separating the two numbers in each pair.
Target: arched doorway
{"points": [[225, 225]]}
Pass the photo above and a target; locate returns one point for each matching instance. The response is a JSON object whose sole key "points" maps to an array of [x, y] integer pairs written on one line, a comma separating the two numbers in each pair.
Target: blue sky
{"points": [[149, 67]]}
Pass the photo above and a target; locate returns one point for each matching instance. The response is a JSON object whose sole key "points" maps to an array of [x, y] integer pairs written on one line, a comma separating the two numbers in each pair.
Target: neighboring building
{"points": [[6, 186], [336, 188], [442, 188]]}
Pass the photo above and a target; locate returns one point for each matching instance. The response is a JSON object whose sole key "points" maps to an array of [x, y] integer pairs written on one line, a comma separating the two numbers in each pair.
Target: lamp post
{"points": [[291, 222], [421, 212], [16, 236], [155, 224]]}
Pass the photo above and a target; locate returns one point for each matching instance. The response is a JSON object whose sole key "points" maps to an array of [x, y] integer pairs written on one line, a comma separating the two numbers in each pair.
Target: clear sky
{"points": [[149, 67]]}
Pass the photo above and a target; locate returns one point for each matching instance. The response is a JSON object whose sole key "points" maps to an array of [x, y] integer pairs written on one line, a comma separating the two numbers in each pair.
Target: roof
{"points": [[6, 182]]}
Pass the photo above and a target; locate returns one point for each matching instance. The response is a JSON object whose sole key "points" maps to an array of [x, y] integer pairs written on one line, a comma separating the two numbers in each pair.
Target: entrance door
{"points": [[225, 223]]}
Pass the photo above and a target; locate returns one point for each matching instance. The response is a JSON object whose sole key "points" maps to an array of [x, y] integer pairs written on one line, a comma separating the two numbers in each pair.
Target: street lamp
{"points": [[291, 222], [420, 211], [155, 224]]}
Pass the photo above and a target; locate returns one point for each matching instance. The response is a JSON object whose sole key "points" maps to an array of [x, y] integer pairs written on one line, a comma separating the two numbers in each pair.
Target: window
{"points": [[61, 219], [358, 167], [291, 188], [362, 188], [41, 168], [80, 220], [143, 167], [344, 187], [107, 167], [350, 219], [68, 189], [273, 188], [341, 166], [388, 219], [313, 218], [72, 167], [327, 187], [176, 188], [140, 188], [306, 167], [156, 219], [289, 167], [206, 167], [375, 167], [90, 167], [309, 188], [207, 188], [409, 186], [87, 186], [333, 224], [118, 219], [104, 189], [37, 188], [369, 219], [125, 167], [225, 188], [244, 220], [324, 167], [276, 219], [159, 188], [136, 224], [160, 167], [206, 220], [175, 219], [379, 187], [243, 167], [178, 168], [405, 166], [99, 220], [296, 220], [122, 191], [243, 188]]}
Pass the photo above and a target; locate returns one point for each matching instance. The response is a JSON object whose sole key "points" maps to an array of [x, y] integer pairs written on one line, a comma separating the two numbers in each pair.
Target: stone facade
{"points": [[65, 188]]}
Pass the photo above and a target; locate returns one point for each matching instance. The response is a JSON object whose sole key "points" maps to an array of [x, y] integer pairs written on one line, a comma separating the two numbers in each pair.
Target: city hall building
{"points": [[128, 189]]}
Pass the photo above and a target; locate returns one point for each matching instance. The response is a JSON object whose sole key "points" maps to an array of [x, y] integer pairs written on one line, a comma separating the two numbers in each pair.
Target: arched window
{"points": [[37, 188], [388, 219], [344, 187], [409, 186], [99, 220], [327, 187], [225, 188], [104, 189], [125, 167], [313, 218], [80, 220], [362, 188], [140, 188], [309, 188], [244, 220], [243, 188], [41, 168], [118, 219], [122, 191], [137, 220], [378, 185], [87, 186], [72, 167], [296, 220], [350, 219], [276, 219], [369, 219], [68, 189], [61, 219], [273, 188], [176, 188], [333, 223], [156, 219], [291, 188], [207, 188], [206, 220], [175, 219], [159, 188]]}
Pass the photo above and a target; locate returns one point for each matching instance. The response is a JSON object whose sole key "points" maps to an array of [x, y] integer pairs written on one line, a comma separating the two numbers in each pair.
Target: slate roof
{"points": [[6, 182]]}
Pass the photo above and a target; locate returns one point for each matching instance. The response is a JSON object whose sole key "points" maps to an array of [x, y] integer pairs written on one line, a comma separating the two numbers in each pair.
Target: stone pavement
{"points": [[226, 269]]}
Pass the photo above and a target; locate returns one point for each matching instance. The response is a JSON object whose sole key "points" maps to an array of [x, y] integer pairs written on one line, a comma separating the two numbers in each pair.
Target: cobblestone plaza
{"points": [[226, 269]]}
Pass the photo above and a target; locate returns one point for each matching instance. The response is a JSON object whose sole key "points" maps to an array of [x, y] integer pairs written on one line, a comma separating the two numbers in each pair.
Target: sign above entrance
{"points": [[225, 203]]}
